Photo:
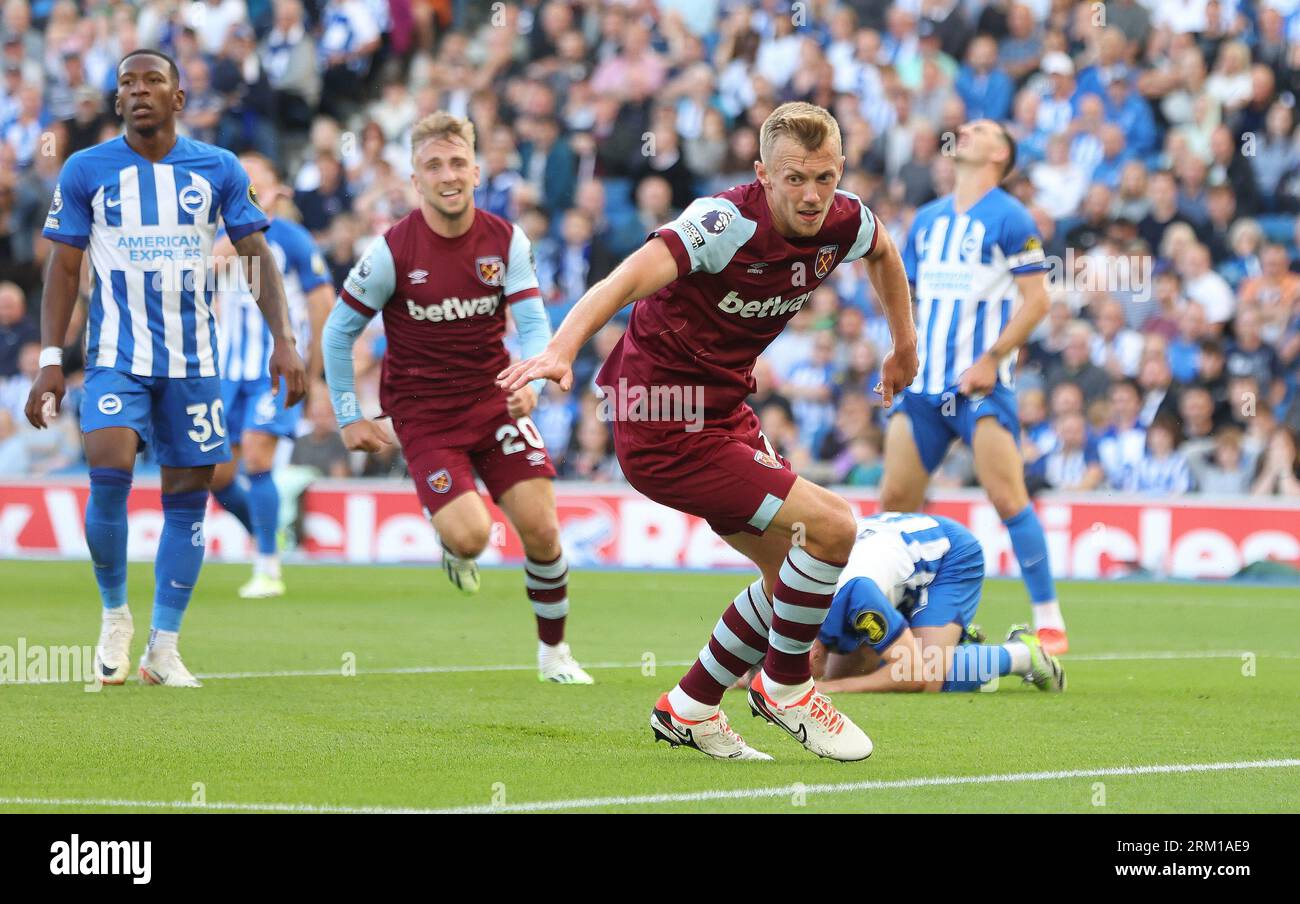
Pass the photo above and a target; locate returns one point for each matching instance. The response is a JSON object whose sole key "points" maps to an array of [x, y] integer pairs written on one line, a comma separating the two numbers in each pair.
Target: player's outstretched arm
{"points": [[889, 281], [62, 281], [642, 273], [981, 376], [285, 361]]}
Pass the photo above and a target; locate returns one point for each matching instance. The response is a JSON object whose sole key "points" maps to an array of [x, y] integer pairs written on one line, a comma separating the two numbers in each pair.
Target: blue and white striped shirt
{"points": [[964, 267], [899, 551], [245, 347], [149, 229], [1165, 476]]}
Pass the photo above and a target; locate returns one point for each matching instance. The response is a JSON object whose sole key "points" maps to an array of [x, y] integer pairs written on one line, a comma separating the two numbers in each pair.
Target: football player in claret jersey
{"points": [[256, 417], [147, 206], [715, 286], [443, 278], [977, 263], [901, 617]]}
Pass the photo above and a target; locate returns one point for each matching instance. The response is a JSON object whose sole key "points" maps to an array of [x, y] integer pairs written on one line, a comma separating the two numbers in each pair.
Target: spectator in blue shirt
{"points": [[1073, 464], [1130, 111], [1020, 52], [1115, 154], [1185, 348], [811, 386], [986, 89], [1164, 470], [548, 162], [1111, 48]]}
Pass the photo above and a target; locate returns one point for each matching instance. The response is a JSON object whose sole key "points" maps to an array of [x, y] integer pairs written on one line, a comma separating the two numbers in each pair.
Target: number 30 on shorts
{"points": [[508, 436], [208, 419]]}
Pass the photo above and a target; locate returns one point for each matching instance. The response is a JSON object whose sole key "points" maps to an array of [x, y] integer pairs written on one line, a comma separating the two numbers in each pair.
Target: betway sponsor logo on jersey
{"points": [[454, 308], [768, 307]]}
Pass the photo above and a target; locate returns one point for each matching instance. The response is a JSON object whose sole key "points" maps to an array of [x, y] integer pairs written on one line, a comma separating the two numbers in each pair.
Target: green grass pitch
{"points": [[1157, 679]]}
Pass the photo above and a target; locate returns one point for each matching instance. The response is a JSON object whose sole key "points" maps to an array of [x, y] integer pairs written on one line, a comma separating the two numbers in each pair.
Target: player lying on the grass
{"points": [[257, 417], [145, 206], [712, 289], [976, 261], [443, 278], [901, 616]]}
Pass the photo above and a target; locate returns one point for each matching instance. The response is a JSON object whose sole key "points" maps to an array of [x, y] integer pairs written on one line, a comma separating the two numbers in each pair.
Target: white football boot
{"points": [[262, 587], [463, 573], [713, 737], [556, 664], [113, 652], [814, 722], [161, 664]]}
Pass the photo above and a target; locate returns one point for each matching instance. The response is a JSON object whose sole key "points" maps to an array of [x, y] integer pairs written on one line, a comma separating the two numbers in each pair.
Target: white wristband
{"points": [[51, 357]]}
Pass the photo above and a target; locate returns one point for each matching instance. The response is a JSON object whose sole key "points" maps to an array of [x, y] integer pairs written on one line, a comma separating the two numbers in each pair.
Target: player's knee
{"points": [[541, 541], [836, 529], [467, 541]]}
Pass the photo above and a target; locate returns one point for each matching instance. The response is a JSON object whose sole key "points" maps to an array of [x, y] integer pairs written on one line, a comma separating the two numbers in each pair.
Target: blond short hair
{"points": [[441, 125], [808, 124]]}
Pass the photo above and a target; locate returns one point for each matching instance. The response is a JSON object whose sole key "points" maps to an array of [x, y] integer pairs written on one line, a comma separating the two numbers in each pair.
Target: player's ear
{"points": [[760, 171], [478, 172], [178, 99]]}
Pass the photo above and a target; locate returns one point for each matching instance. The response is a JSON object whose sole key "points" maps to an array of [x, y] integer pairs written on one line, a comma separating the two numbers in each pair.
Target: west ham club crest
{"points": [[491, 271], [825, 260], [440, 482]]}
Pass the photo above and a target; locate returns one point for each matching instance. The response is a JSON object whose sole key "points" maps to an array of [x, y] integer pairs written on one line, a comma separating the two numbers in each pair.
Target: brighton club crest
{"points": [[825, 260], [491, 271], [440, 481]]}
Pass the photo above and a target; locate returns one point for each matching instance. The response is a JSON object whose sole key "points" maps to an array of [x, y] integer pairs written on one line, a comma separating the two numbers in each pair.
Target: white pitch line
{"points": [[190, 805], [675, 663], [463, 669], [1172, 654], [426, 670], [591, 803]]}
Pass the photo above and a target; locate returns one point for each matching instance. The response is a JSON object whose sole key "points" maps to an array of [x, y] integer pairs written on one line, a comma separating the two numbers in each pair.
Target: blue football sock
{"points": [[234, 499], [106, 532], [1031, 552], [180, 556], [264, 509], [975, 664]]}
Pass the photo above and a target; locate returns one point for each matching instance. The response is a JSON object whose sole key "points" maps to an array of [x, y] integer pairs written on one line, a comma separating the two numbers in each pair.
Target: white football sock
{"points": [[785, 694], [687, 707], [120, 613], [1020, 658], [267, 566], [162, 640], [1048, 615]]}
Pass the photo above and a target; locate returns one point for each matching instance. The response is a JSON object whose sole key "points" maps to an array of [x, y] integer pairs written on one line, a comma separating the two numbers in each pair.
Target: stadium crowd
{"points": [[1158, 150]]}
